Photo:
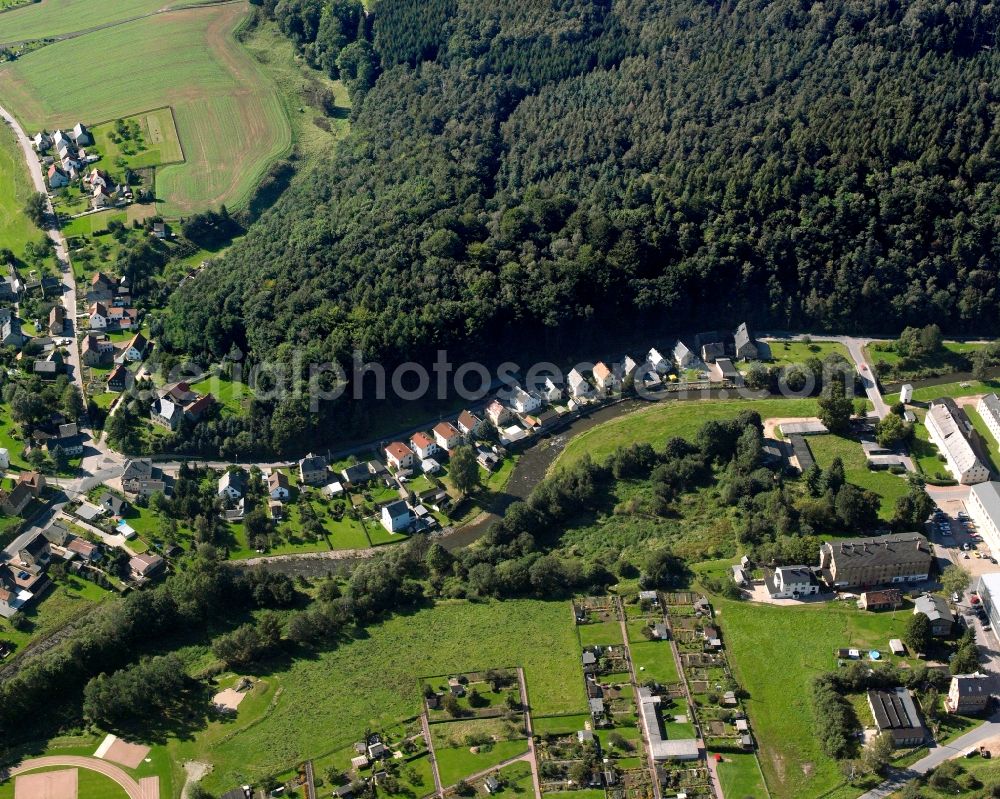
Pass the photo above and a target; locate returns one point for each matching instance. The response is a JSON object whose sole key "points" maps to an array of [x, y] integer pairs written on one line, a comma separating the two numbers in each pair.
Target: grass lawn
{"points": [[601, 632], [964, 388], [558, 725], [740, 777], [925, 453], [90, 785], [986, 771], [152, 140], [230, 120], [16, 229], [658, 422], [516, 781], [68, 599], [233, 395], [328, 700], [888, 486], [777, 677], [784, 353], [92, 224], [654, 660], [7, 440], [457, 762]]}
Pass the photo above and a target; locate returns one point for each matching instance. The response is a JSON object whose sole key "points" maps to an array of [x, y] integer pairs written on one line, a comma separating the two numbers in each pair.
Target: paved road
{"points": [[58, 241], [936, 757], [145, 790]]}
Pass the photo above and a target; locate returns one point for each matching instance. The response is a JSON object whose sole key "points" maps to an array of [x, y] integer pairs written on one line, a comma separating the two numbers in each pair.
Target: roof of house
{"points": [[654, 357], [574, 378], [357, 472], [145, 563], [81, 547], [601, 371], [681, 351], [742, 336], [446, 430], [934, 607], [421, 440], [36, 545], [468, 420], [277, 479], [235, 479], [137, 469], [139, 342], [977, 684], [397, 509], [33, 480], [894, 710], [887, 596], [398, 450], [120, 372], [991, 403], [879, 549], [312, 463]]}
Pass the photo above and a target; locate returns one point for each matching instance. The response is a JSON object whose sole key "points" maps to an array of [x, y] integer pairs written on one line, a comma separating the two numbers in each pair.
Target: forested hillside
{"points": [[518, 168]]}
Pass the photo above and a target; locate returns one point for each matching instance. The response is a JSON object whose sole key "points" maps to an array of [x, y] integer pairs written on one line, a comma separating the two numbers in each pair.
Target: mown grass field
{"points": [[740, 777], [777, 676], [784, 353], [155, 141], [660, 421], [888, 486], [458, 762], [51, 18], [229, 117], [325, 702], [16, 229]]}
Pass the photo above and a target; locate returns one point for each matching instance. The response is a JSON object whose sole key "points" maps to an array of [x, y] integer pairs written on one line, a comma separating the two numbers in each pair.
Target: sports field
{"points": [[229, 117]]}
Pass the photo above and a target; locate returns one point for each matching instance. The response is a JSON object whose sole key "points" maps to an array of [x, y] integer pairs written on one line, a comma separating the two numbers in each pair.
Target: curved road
{"points": [[58, 240], [147, 789]]}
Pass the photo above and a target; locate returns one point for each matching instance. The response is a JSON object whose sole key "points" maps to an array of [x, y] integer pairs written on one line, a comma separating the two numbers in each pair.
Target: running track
{"points": [[146, 788]]}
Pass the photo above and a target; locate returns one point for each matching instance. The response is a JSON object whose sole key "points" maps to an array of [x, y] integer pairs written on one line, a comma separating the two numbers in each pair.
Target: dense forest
{"points": [[553, 175]]}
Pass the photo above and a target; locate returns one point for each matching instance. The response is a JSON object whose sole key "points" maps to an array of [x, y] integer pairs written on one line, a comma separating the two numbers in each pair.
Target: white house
{"points": [[97, 316], [135, 350], [233, 484], [277, 486], [906, 393], [948, 433], [605, 379], [579, 388], [550, 391], [399, 455], [683, 357], [791, 581], [447, 436], [657, 361], [424, 446], [989, 408], [628, 367], [468, 422], [60, 139], [983, 506], [81, 135], [57, 177], [396, 516], [523, 402], [42, 141]]}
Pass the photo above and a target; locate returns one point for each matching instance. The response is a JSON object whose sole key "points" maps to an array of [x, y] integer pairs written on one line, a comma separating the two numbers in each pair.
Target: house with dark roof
{"points": [[895, 713], [35, 552], [745, 348], [885, 599], [788, 582], [233, 484], [396, 516], [312, 470], [936, 609], [357, 474], [970, 694]]}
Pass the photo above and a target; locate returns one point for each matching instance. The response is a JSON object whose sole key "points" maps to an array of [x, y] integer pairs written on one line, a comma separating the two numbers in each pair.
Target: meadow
{"points": [[740, 777], [784, 353], [16, 229], [323, 703], [153, 140], [660, 421], [775, 652], [228, 114]]}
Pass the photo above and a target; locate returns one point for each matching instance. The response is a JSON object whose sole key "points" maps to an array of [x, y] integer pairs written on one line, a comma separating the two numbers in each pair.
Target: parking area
{"points": [[955, 536]]}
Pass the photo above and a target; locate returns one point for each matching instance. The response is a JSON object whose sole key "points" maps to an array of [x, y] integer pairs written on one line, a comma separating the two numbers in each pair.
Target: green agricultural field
{"points": [[16, 229], [740, 777], [325, 702], [952, 357], [777, 678], [229, 117], [51, 18], [658, 422], [151, 140], [888, 486]]}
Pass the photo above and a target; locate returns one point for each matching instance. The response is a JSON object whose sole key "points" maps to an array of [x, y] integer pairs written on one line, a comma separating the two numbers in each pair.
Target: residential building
{"points": [[57, 177], [277, 485], [713, 350], [276, 509], [983, 505], [57, 320], [724, 370], [468, 422], [86, 550], [989, 408], [35, 482], [579, 388], [312, 470], [41, 141], [988, 588], [885, 599], [423, 445], [447, 436], [549, 390], [787, 582], [233, 484], [399, 455], [970, 694], [498, 413], [935, 608], [35, 552], [96, 350], [895, 713], [140, 477], [683, 357], [949, 429], [657, 361], [143, 567], [136, 348], [10, 333], [356, 474], [97, 316], [523, 402], [113, 504], [660, 747], [396, 516], [118, 378], [906, 393], [629, 368], [745, 348], [885, 559], [605, 379], [81, 135]]}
